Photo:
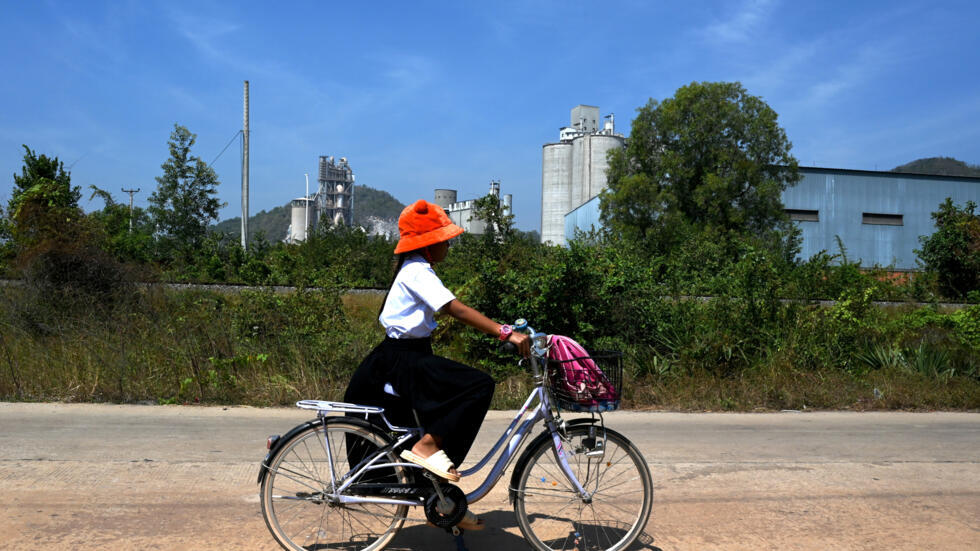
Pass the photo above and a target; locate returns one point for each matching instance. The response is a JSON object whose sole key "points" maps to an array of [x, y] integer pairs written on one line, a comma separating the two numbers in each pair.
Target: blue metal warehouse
{"points": [[878, 216]]}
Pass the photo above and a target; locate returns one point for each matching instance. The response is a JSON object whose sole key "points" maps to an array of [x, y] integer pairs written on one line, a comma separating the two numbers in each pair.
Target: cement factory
{"points": [[333, 202], [878, 216], [573, 170]]}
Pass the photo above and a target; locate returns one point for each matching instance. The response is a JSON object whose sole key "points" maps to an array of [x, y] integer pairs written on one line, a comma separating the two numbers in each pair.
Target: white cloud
{"points": [[742, 25], [206, 34]]}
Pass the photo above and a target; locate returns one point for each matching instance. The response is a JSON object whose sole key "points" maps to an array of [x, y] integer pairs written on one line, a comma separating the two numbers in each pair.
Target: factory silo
{"points": [[574, 170], [556, 177], [581, 171], [599, 148], [445, 197], [302, 219]]}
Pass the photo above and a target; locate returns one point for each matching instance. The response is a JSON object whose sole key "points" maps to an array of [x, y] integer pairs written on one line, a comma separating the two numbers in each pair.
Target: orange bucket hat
{"points": [[422, 224]]}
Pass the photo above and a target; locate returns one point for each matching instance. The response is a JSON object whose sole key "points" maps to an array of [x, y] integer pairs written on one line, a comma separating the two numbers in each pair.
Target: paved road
{"points": [[148, 477]]}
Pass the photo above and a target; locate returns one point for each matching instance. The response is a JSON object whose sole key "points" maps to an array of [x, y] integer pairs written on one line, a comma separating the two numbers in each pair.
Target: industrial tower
{"points": [[335, 199]]}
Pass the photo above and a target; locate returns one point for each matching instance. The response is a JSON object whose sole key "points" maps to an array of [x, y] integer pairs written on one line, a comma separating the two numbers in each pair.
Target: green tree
{"points": [[39, 169], [6, 244], [44, 205], [128, 235], [184, 203], [952, 253], [711, 158], [59, 251], [498, 222]]}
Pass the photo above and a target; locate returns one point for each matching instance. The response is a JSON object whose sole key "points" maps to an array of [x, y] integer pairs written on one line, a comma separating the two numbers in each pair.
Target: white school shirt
{"points": [[415, 296]]}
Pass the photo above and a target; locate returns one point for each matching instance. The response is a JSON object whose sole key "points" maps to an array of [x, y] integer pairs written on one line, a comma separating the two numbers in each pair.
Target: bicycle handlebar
{"points": [[509, 347], [539, 341]]}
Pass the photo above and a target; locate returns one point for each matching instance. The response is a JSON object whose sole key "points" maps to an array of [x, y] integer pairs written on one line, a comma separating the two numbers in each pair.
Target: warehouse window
{"points": [[801, 215], [882, 219]]}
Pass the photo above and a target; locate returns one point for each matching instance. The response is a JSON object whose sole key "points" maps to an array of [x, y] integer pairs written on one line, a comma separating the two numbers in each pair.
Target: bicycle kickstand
{"points": [[458, 536]]}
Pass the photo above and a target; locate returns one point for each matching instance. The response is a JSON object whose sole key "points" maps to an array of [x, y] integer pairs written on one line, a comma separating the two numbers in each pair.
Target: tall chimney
{"points": [[245, 174]]}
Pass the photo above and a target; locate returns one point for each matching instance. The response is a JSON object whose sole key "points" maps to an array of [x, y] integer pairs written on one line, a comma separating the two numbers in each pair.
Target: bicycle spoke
{"points": [[554, 518], [296, 514], [611, 505], [297, 480], [554, 473], [297, 499], [302, 462], [606, 489]]}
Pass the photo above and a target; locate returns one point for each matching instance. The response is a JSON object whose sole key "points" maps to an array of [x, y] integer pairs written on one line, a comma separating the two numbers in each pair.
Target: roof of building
{"points": [[889, 173]]}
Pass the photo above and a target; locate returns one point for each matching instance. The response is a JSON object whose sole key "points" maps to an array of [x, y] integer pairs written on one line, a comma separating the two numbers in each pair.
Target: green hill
{"points": [[273, 224], [376, 203], [368, 202], [939, 166]]}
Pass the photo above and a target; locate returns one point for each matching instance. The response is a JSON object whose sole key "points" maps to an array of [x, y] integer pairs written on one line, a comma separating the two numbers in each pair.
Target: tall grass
{"points": [[265, 348], [179, 347]]}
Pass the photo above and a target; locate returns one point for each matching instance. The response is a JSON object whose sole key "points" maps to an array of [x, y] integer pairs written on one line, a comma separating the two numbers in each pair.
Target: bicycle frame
{"points": [[513, 436]]}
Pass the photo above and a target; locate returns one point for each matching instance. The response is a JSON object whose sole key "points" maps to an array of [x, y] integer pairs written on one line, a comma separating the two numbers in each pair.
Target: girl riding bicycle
{"points": [[402, 374]]}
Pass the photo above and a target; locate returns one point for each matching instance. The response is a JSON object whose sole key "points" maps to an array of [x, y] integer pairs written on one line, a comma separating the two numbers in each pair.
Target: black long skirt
{"points": [[451, 399]]}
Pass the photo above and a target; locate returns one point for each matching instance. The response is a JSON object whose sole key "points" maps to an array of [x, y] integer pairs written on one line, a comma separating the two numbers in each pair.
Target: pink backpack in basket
{"points": [[576, 376]]}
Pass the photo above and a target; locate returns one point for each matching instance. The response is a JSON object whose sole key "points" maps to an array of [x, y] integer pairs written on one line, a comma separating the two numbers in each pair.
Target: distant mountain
{"points": [[273, 224], [368, 203], [939, 166]]}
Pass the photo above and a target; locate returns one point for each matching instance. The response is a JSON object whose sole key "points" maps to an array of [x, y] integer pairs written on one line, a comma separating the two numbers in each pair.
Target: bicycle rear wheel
{"points": [[298, 480], [553, 517]]}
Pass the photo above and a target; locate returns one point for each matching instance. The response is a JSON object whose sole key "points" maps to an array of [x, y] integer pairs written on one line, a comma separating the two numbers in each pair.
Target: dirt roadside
{"points": [[147, 477]]}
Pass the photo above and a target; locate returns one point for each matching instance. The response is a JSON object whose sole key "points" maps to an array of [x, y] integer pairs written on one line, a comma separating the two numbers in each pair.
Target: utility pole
{"points": [[245, 174], [131, 192]]}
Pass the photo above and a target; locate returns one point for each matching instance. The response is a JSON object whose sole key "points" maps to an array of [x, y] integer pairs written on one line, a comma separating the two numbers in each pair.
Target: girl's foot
{"points": [[437, 463], [471, 522], [430, 445]]}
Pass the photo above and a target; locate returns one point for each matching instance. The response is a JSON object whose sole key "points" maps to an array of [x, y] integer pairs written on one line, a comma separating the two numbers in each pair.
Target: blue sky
{"points": [[426, 95]]}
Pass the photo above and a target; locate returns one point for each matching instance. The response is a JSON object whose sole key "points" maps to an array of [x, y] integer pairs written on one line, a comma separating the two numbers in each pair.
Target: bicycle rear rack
{"points": [[325, 406]]}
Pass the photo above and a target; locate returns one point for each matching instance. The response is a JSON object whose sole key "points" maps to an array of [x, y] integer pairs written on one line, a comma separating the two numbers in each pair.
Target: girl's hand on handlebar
{"points": [[522, 342]]}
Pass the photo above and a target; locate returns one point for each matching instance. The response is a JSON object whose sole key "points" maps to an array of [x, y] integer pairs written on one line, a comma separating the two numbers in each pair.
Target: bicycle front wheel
{"points": [[297, 486], [553, 517]]}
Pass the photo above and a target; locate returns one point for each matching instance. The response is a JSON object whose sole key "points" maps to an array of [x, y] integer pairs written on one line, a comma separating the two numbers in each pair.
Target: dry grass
{"points": [[182, 347], [785, 388]]}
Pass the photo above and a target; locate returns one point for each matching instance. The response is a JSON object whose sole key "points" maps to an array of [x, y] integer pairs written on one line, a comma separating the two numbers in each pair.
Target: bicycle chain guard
{"points": [[451, 518]]}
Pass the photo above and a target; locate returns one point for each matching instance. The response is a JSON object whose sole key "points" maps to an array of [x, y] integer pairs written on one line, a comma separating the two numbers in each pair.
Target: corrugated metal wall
{"points": [[585, 218], [841, 199]]}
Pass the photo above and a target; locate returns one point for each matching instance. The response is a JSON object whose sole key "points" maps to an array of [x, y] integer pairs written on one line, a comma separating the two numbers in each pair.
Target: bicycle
{"points": [[336, 482]]}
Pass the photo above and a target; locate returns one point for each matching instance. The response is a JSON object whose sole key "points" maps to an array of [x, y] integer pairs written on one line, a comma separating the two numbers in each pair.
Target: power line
{"points": [[226, 147]]}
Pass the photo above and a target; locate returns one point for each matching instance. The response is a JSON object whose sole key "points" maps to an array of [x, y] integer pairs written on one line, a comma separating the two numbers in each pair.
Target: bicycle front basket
{"points": [[590, 383]]}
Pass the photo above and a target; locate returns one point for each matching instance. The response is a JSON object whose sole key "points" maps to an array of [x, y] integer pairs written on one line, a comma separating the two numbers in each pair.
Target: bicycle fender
{"points": [[525, 457], [264, 466], [303, 426]]}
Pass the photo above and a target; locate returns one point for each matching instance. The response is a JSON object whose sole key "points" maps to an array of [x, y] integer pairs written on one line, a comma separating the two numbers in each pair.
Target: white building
{"points": [[461, 212]]}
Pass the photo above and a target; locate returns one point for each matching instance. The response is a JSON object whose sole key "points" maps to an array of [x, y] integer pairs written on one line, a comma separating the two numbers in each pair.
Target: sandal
{"points": [[437, 463], [469, 522]]}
